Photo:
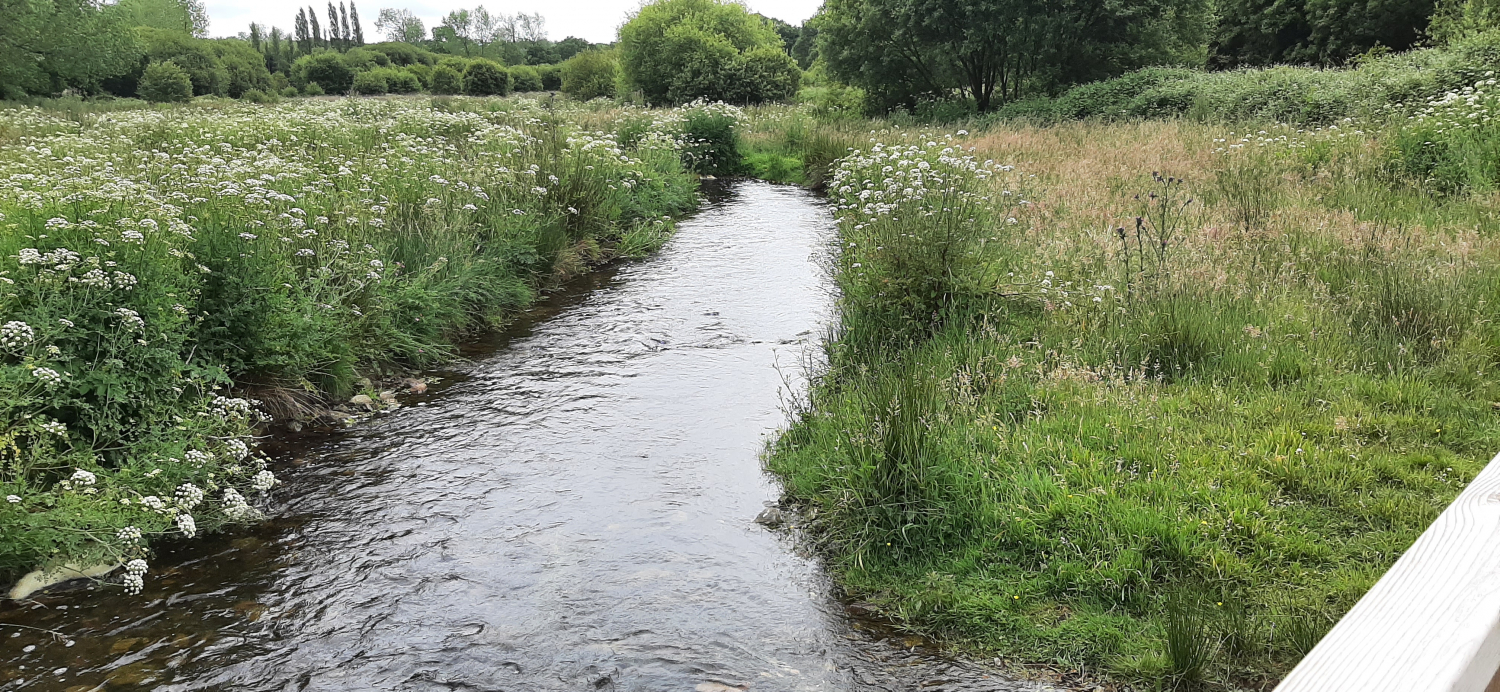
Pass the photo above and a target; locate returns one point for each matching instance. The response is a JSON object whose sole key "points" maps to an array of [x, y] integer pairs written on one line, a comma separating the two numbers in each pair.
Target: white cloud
{"points": [[595, 20]]}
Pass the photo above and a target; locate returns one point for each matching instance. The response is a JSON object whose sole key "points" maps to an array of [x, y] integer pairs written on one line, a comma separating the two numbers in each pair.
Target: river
{"points": [[572, 510]]}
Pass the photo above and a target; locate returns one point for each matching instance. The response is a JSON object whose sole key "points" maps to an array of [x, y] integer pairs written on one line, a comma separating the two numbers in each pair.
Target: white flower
{"points": [[130, 319], [13, 499], [196, 457], [248, 236], [153, 502], [186, 525], [237, 449], [188, 496], [263, 481], [16, 335], [82, 477], [65, 322], [49, 377], [55, 427], [129, 534]]}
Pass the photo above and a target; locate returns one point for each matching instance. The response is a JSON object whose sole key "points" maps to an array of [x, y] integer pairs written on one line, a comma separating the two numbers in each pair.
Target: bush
{"points": [[403, 54], [258, 96], [399, 81], [165, 82], [551, 76], [312, 89], [712, 139], [525, 78], [485, 78], [675, 51], [446, 80], [327, 70], [370, 83], [423, 73], [291, 92], [589, 75]]}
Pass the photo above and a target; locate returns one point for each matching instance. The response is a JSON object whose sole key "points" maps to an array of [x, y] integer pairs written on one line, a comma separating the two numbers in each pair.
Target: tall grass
{"points": [[1172, 456]]}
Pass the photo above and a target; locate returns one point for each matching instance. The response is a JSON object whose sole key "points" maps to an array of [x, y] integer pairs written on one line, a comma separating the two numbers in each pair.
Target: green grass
{"points": [[1164, 463]]}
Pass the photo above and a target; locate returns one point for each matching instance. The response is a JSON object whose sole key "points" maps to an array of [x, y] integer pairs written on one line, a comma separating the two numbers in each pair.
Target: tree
{"points": [[1323, 32], [312, 25], [345, 33], [187, 16], [303, 35], [995, 50], [678, 50], [359, 31], [446, 80], [485, 78], [49, 45], [335, 38], [589, 75], [400, 25], [460, 25], [165, 82], [805, 50]]}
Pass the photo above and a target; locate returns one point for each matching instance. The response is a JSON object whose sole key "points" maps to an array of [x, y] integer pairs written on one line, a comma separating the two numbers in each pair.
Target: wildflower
{"points": [[16, 335], [188, 496], [237, 449], [134, 580], [55, 427], [129, 534], [82, 477], [263, 481], [50, 378], [248, 236], [130, 318], [186, 524], [13, 499]]}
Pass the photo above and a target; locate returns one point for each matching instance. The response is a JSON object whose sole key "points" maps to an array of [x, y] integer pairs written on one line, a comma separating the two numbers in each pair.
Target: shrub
{"points": [[551, 76], [589, 75], [327, 70], [165, 82], [312, 89], [399, 81], [766, 73], [370, 83], [423, 73], [403, 54], [258, 96], [291, 91], [525, 78], [446, 80], [485, 78], [712, 139]]}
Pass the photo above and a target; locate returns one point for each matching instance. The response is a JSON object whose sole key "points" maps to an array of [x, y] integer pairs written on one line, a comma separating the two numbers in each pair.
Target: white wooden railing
{"points": [[1432, 623]]}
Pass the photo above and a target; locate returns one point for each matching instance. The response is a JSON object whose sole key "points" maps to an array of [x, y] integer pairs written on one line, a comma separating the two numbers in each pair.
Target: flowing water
{"points": [[573, 511]]}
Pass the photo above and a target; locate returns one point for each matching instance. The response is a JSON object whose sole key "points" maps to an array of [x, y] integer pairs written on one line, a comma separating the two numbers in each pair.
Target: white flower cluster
{"points": [[186, 525], [197, 458], [238, 449], [188, 496], [16, 335], [263, 481], [129, 534], [130, 319], [83, 478], [135, 573], [53, 427], [236, 508], [50, 378]]}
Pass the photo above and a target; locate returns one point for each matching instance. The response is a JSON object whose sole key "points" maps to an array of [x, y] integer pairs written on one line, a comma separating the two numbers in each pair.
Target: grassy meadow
{"points": [[1150, 402]]}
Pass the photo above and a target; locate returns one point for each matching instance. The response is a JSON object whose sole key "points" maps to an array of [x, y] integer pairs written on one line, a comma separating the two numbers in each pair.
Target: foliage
{"points": [[446, 80], [485, 78], [400, 25], [1324, 32], [551, 76], [369, 83], [675, 51], [403, 53], [165, 82], [711, 139], [590, 75], [327, 69], [1458, 19], [50, 45], [133, 300], [1452, 144], [1308, 96], [899, 51], [525, 78], [186, 17]]}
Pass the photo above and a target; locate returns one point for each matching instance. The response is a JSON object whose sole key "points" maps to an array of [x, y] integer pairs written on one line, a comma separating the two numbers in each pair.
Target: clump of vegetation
{"points": [[484, 78], [676, 51], [165, 82], [1168, 424], [590, 75], [133, 304]]}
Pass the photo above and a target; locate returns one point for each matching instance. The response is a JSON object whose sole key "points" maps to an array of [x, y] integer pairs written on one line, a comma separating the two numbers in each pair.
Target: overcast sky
{"points": [[595, 20]]}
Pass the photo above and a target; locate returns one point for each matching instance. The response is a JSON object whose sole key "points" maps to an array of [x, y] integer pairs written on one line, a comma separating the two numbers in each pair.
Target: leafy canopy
{"points": [[675, 51]]}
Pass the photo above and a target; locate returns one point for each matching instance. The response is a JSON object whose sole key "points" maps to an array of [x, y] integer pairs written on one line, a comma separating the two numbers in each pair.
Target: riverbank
{"points": [[159, 259], [1152, 402]]}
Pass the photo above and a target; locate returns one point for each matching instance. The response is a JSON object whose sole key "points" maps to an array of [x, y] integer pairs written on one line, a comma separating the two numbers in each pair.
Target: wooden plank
{"points": [[1432, 623]]}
